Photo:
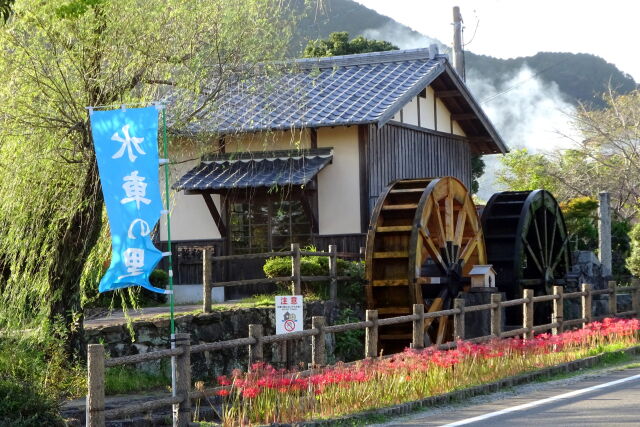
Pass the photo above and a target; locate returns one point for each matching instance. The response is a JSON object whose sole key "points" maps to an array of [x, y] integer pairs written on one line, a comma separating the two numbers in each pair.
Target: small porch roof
{"points": [[224, 172]]}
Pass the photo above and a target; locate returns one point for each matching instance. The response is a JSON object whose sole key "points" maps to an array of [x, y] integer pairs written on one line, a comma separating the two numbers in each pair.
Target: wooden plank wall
{"points": [[398, 151]]}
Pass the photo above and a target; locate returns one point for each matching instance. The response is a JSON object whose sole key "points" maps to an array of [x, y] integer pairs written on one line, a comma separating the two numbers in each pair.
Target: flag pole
{"points": [[166, 188], [170, 269]]}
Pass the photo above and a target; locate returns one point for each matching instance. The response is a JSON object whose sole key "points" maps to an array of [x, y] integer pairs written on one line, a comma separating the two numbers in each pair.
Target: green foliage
{"points": [[349, 344], [477, 170], [349, 290], [23, 405], [523, 171], [633, 261], [338, 44], [581, 217]]}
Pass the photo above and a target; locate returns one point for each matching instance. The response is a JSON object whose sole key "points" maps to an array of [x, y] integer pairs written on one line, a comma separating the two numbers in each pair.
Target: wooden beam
{"points": [[363, 159], [313, 137], [464, 116], [222, 228], [447, 94]]}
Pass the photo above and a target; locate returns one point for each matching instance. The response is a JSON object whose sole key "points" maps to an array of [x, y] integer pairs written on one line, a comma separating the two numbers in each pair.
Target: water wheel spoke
{"points": [[460, 224], [432, 249], [442, 329], [560, 254], [436, 305], [469, 248], [541, 269], [449, 214], [535, 223], [546, 232], [554, 230]]}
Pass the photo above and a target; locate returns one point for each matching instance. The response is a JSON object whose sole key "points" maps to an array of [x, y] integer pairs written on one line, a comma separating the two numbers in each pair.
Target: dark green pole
{"points": [[166, 188]]}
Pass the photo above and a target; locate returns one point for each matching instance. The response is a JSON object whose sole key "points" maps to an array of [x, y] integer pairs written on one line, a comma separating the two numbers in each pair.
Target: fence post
{"points": [[613, 298], [182, 411], [558, 310], [586, 303], [458, 319], [635, 297], [255, 350], [418, 327], [318, 342], [295, 269], [333, 272], [95, 386], [527, 313], [371, 334], [361, 253], [206, 281], [496, 315]]}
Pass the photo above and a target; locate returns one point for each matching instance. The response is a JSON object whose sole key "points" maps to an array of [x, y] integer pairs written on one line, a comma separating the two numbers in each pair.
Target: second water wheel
{"points": [[423, 239]]}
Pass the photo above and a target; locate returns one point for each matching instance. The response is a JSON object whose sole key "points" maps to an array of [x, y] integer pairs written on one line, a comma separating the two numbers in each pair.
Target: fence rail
{"points": [[296, 278], [96, 413]]}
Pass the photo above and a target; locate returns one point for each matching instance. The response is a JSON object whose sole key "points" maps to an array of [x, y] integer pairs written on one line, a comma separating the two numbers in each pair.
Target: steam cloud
{"points": [[530, 114], [400, 36]]}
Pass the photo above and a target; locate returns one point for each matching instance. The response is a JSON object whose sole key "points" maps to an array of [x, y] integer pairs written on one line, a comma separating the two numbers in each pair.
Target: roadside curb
{"points": [[458, 395]]}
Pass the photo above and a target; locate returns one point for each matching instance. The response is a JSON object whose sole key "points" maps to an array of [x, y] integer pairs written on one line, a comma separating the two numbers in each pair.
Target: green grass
{"points": [[126, 379]]}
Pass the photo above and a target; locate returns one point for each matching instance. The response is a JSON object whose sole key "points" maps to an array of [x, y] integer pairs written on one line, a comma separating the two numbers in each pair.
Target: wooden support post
{"points": [[558, 310], [182, 411], [255, 350], [95, 386], [295, 269], [527, 313], [418, 327], [586, 303], [613, 298], [496, 315], [362, 252], [371, 334], [206, 281], [333, 272], [318, 342], [635, 296], [458, 319]]}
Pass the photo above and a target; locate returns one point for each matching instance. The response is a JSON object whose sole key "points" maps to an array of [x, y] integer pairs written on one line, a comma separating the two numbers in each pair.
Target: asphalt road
{"points": [[586, 401]]}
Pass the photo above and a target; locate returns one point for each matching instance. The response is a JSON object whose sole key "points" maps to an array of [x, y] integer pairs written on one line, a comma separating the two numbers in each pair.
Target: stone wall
{"points": [[153, 335]]}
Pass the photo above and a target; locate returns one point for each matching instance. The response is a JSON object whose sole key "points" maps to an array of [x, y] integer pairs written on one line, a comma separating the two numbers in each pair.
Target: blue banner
{"points": [[126, 145]]}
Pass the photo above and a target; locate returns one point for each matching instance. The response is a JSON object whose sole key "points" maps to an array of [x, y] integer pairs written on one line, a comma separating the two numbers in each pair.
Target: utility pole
{"points": [[458, 59]]}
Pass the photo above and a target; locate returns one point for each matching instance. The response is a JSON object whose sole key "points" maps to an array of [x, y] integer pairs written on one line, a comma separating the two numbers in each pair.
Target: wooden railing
{"points": [[296, 278], [96, 413]]}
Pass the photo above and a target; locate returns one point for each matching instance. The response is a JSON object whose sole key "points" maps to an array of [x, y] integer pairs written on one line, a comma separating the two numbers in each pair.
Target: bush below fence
{"points": [[256, 340]]}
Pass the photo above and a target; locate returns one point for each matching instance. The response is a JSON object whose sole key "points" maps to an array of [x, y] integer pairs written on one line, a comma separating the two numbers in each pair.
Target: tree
{"points": [[62, 55], [521, 171], [6, 7], [338, 44]]}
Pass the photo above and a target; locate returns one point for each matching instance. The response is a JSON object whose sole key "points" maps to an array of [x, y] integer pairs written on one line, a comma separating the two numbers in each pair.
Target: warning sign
{"points": [[289, 314]]}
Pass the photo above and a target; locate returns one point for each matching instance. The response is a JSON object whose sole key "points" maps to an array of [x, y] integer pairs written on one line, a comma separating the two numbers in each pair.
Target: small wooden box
{"points": [[483, 276]]}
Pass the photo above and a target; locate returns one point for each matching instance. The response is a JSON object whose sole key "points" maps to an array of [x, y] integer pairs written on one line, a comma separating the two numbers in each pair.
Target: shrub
{"points": [[22, 404], [349, 344], [135, 296], [349, 290]]}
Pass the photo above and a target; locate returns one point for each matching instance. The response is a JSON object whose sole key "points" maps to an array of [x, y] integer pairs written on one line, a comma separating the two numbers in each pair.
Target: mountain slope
{"points": [[579, 77]]}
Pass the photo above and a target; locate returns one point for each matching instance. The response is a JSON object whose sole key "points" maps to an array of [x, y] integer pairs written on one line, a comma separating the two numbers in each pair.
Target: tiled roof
{"points": [[345, 90], [277, 168]]}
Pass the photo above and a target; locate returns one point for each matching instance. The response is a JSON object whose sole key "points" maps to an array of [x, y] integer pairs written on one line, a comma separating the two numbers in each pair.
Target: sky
{"points": [[512, 28]]}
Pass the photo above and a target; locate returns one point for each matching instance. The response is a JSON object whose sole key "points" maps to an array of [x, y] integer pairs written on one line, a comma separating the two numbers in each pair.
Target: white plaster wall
{"points": [[444, 117], [339, 182], [410, 112], [427, 117], [457, 130], [190, 218], [265, 141]]}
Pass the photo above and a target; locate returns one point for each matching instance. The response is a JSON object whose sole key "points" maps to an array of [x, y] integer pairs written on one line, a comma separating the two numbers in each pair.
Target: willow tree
{"points": [[59, 56]]}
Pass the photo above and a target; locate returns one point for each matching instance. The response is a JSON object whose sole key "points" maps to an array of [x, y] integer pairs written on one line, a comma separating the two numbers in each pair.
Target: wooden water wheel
{"points": [[423, 239], [528, 246]]}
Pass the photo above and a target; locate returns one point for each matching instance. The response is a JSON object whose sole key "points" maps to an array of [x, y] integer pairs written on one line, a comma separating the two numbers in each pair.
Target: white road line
{"points": [[542, 402]]}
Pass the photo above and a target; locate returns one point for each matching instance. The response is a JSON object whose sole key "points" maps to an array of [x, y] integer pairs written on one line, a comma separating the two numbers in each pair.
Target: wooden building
{"points": [[301, 156]]}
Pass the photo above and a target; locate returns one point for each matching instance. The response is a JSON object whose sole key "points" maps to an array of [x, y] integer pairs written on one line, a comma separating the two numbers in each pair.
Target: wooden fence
{"points": [[296, 278], [96, 413]]}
